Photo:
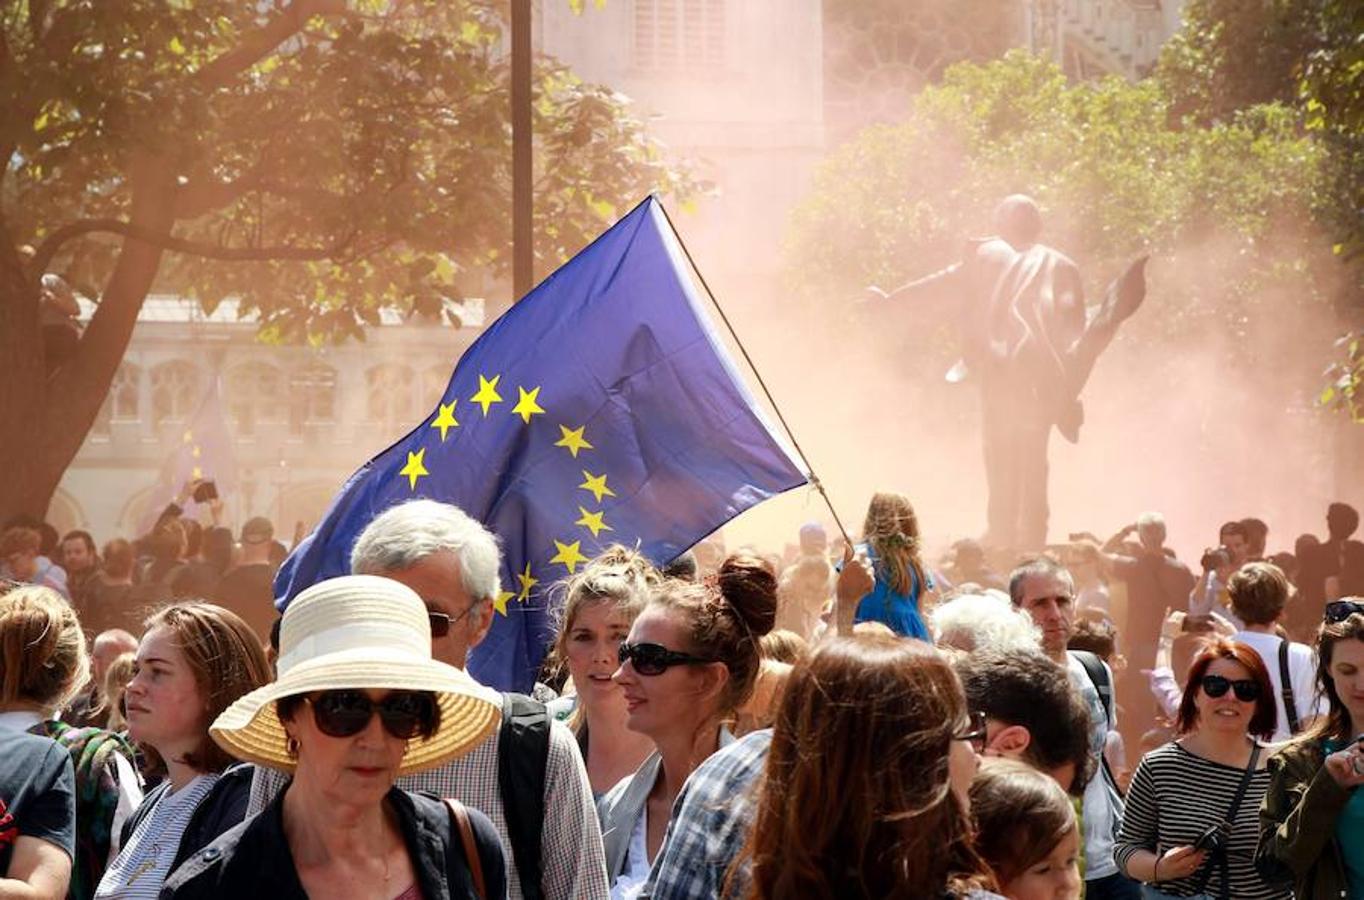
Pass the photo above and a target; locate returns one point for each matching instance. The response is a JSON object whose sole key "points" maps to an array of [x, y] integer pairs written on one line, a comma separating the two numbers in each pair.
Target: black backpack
{"points": [[1098, 674], [522, 756]]}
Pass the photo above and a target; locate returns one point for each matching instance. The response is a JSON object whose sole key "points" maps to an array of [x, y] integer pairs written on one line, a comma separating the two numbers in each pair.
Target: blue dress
{"points": [[884, 604]]}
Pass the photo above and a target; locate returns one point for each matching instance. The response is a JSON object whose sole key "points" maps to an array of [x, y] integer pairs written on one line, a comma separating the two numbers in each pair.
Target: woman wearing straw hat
{"points": [[350, 648]]}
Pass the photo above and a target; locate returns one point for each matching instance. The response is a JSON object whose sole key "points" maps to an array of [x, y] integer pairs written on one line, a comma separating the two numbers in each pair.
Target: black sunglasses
{"points": [[404, 714], [655, 659], [1340, 610], [974, 731], [441, 623], [1216, 686]]}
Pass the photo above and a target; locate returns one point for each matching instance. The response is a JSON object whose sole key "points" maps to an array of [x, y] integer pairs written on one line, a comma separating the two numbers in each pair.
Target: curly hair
{"points": [[892, 529], [856, 799]]}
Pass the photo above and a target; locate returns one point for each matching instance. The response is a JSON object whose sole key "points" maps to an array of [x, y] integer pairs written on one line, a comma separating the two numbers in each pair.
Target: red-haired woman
{"points": [[865, 794], [1192, 819]]}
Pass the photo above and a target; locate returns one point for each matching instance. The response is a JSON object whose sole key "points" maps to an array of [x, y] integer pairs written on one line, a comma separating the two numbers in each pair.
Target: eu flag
{"points": [[203, 449], [600, 408]]}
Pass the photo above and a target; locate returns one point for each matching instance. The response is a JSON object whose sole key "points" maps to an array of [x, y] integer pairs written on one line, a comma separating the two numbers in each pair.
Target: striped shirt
{"points": [[1176, 796], [144, 862]]}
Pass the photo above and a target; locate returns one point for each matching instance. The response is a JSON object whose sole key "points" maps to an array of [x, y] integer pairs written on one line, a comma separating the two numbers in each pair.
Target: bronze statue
{"points": [[1027, 342]]}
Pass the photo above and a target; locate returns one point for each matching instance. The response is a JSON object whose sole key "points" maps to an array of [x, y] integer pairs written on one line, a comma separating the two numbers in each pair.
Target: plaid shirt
{"points": [[710, 822], [571, 861]]}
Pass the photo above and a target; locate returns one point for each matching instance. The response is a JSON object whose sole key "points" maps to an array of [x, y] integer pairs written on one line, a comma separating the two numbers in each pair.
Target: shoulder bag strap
{"points": [[460, 815], [1230, 823], [1286, 687]]}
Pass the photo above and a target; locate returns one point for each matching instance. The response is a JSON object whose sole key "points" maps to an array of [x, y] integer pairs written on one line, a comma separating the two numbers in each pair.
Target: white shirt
{"points": [[637, 862], [145, 861], [1101, 806], [1302, 675]]}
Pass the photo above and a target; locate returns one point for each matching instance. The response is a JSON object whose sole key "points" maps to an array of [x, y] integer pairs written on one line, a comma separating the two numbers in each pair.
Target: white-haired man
{"points": [[528, 778]]}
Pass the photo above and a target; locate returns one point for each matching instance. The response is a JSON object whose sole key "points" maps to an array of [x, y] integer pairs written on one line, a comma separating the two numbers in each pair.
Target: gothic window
{"points": [[255, 395], [121, 402], [312, 397], [175, 391], [391, 400], [679, 34]]}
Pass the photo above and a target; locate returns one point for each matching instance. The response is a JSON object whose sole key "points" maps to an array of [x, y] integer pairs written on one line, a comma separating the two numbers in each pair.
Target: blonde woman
{"points": [[43, 666], [891, 543], [600, 604]]}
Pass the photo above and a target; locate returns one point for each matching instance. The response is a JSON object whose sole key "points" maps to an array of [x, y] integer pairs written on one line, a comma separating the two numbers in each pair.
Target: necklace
{"points": [[147, 865]]}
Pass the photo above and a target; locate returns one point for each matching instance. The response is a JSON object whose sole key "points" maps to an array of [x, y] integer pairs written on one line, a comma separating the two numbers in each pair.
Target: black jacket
{"points": [[253, 859], [222, 807]]}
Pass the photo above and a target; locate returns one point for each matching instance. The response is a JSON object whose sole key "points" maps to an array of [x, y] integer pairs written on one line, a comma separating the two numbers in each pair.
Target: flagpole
{"points": [[814, 479]]}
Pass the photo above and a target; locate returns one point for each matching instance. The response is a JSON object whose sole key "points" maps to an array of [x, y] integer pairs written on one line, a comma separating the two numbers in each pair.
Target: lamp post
{"points": [[523, 235]]}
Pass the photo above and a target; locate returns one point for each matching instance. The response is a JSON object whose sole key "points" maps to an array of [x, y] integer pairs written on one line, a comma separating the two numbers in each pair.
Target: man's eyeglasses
{"points": [[404, 714], [441, 623], [974, 731], [1340, 610], [1246, 690], [655, 659]]}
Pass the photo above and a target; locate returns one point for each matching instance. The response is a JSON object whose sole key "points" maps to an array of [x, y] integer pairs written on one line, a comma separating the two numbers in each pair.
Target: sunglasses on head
{"points": [[974, 731], [655, 659], [1246, 690], [404, 714], [1340, 610]]}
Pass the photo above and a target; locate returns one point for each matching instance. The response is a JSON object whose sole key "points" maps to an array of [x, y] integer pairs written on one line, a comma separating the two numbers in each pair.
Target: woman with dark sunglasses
{"points": [[359, 701], [1191, 822], [1312, 820], [690, 661]]}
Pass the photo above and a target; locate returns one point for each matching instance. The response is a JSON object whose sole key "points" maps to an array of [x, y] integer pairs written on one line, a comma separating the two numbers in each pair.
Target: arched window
{"points": [[121, 402], [312, 397], [255, 395], [175, 391], [391, 398]]}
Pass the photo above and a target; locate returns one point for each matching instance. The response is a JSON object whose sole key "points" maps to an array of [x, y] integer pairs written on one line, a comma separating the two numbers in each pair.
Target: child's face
{"points": [[1057, 877]]}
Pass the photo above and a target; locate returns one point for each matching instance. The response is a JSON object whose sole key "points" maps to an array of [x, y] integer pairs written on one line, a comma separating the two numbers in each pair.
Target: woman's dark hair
{"points": [[1336, 723], [218, 548], [724, 619], [226, 659], [1021, 814], [286, 708], [856, 799], [1265, 717]]}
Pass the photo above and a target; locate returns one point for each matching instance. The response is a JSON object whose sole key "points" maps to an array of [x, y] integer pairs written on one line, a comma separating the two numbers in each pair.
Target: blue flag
{"points": [[204, 449], [600, 408]]}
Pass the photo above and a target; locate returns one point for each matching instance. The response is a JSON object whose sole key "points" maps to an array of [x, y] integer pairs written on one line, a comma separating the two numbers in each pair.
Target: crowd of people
{"points": [[839, 719]]}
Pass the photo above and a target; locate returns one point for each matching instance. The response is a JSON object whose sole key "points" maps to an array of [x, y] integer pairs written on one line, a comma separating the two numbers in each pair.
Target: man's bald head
{"points": [[109, 646], [1018, 220]]}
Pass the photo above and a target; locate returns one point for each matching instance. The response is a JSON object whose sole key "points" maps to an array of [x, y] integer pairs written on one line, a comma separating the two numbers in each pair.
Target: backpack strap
{"points": [[1290, 707], [1098, 675], [522, 757], [460, 815]]}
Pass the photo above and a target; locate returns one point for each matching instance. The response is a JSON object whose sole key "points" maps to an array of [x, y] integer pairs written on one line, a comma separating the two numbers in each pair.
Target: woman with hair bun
{"points": [[688, 665], [891, 542]]}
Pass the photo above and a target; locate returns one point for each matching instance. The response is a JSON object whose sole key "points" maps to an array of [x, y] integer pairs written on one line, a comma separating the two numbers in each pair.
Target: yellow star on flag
{"points": [[196, 451], [415, 468], [445, 419], [592, 521], [196, 473], [573, 439], [500, 603], [569, 555], [597, 485], [526, 584], [526, 406], [487, 393], [188, 437]]}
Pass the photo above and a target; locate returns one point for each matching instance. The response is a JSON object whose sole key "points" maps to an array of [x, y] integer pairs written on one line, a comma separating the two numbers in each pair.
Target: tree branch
{"points": [[163, 241], [258, 44]]}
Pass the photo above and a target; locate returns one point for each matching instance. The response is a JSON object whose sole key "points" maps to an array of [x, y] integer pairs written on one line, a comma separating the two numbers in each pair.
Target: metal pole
{"points": [[523, 234]]}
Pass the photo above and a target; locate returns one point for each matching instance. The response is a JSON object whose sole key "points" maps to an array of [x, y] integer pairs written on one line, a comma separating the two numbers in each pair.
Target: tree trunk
{"points": [[47, 417]]}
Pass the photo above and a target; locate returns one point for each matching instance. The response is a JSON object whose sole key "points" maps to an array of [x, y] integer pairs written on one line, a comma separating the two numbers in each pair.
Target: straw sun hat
{"points": [[360, 631]]}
